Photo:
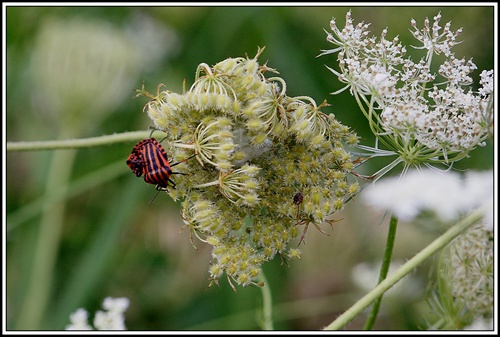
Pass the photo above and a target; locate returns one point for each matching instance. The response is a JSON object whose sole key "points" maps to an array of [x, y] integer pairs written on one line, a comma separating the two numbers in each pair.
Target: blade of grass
{"points": [[94, 262], [78, 186]]}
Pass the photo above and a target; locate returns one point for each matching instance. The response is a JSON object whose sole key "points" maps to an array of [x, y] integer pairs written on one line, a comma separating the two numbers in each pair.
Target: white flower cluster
{"points": [[83, 69], [111, 319], [447, 194], [462, 296], [421, 112], [480, 324], [469, 270]]}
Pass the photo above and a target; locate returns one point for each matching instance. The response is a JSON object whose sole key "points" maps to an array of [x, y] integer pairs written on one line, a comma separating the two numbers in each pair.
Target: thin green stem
{"points": [[267, 305], [39, 289], [386, 262], [77, 143], [402, 271], [74, 188], [47, 245], [283, 312]]}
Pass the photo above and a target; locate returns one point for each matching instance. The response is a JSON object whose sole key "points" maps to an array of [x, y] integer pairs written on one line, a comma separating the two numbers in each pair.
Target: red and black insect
{"points": [[150, 159]]}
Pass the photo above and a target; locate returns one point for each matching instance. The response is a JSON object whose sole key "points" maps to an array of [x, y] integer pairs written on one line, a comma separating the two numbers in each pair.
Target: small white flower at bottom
{"points": [[112, 319], [79, 320]]}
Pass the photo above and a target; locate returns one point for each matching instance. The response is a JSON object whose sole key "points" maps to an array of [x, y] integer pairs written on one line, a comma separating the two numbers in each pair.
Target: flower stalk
{"points": [[69, 144], [405, 269], [386, 262]]}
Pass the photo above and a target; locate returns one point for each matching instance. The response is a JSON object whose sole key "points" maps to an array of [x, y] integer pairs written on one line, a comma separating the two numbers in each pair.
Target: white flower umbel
{"points": [[79, 320], [110, 319], [422, 112], [113, 318], [470, 270], [447, 194], [480, 324], [462, 297]]}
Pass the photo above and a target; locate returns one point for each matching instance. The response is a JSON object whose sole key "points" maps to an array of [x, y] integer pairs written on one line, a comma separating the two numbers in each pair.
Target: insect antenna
{"points": [[182, 161], [153, 198]]}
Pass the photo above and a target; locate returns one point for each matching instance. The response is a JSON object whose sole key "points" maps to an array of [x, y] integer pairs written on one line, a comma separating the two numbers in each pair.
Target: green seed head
{"points": [[255, 149]]}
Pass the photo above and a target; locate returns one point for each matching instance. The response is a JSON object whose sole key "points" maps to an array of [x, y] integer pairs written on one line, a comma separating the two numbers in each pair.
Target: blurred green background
{"points": [[79, 227]]}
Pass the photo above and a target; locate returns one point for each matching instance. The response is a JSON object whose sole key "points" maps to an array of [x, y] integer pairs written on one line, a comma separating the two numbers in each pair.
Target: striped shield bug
{"points": [[150, 159]]}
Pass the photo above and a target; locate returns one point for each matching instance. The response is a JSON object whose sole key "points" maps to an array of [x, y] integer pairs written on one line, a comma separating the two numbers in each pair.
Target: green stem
{"points": [[77, 143], [401, 272], [76, 187], [51, 225], [46, 248], [391, 238], [267, 308]]}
